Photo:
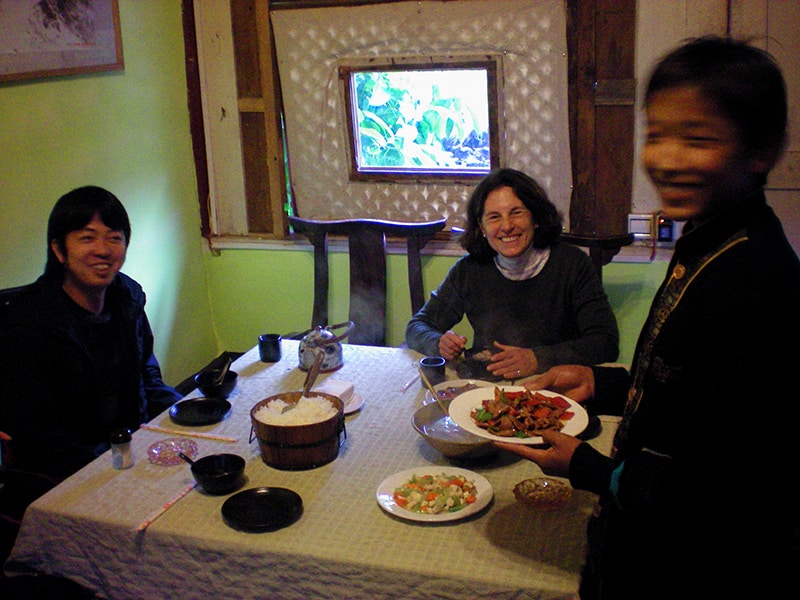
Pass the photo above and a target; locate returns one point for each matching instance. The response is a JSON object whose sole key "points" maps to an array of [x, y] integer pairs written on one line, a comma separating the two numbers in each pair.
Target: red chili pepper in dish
{"points": [[541, 413]]}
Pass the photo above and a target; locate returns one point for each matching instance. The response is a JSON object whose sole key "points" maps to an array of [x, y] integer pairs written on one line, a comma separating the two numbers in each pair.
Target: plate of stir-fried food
{"points": [[516, 415]]}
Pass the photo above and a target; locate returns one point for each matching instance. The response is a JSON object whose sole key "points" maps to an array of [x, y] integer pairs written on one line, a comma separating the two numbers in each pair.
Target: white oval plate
{"points": [[464, 404], [356, 401], [385, 494], [428, 399]]}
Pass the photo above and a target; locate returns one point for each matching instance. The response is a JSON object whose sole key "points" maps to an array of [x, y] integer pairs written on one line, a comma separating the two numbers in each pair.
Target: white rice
{"points": [[312, 409]]}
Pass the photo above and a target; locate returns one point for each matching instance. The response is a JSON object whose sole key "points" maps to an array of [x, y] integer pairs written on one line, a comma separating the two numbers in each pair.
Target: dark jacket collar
{"points": [[123, 295], [712, 233]]}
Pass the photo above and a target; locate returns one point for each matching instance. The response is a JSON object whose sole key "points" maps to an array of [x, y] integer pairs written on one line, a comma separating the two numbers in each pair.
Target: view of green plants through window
{"points": [[428, 120]]}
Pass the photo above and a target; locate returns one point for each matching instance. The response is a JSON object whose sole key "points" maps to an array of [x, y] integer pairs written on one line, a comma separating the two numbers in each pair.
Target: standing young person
{"points": [[699, 497]]}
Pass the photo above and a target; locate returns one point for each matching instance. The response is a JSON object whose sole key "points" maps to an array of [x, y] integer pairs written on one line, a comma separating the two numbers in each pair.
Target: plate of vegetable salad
{"points": [[428, 494], [516, 415]]}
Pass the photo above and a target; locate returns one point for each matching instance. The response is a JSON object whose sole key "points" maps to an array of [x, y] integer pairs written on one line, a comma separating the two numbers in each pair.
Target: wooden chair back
{"points": [[367, 251]]}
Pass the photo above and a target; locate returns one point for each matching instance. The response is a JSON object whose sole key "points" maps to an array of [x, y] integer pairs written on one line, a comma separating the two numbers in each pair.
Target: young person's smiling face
{"points": [[92, 257], [694, 155], [506, 222]]}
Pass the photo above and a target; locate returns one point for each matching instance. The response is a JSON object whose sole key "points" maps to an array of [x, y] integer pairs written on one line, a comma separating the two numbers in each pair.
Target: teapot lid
{"points": [[325, 334], [320, 333]]}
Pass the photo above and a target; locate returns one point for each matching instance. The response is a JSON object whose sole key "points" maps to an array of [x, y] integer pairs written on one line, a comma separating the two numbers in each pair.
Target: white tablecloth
{"points": [[343, 546]]}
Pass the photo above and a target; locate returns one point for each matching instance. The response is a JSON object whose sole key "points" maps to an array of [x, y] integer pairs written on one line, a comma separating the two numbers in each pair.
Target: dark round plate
{"points": [[262, 509], [199, 411]]}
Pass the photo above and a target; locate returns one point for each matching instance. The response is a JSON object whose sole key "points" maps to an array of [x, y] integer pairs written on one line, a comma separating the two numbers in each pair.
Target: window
{"points": [[252, 40], [433, 119]]}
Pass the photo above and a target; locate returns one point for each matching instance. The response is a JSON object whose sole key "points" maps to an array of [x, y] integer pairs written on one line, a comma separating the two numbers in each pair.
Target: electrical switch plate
{"points": [[642, 226]]}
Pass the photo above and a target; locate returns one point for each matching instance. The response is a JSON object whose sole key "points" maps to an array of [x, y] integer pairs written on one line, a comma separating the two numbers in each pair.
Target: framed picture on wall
{"points": [[53, 38]]}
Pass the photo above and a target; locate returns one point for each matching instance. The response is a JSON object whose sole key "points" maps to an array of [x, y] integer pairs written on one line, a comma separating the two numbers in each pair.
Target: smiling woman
{"points": [[532, 301], [506, 224]]}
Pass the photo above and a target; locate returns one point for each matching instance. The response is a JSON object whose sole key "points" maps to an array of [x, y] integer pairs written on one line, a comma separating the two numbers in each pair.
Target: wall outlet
{"points": [[649, 228], [667, 231], [642, 226]]}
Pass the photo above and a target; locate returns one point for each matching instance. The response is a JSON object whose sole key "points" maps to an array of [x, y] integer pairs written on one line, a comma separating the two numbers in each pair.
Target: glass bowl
{"points": [[543, 493]]}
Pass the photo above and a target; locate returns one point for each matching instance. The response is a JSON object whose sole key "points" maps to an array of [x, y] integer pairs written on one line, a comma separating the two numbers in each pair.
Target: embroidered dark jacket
{"points": [[703, 501]]}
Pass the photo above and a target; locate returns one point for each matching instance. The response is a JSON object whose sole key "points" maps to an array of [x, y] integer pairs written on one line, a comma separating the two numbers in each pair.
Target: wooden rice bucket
{"points": [[296, 447]]}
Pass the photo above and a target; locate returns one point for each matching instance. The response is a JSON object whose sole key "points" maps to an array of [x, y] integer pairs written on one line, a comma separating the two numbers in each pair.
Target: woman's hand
{"points": [[573, 381], [451, 345], [512, 362], [553, 460]]}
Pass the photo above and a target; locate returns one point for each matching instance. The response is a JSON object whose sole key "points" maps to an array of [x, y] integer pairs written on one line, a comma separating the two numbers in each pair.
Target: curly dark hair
{"points": [[532, 195]]}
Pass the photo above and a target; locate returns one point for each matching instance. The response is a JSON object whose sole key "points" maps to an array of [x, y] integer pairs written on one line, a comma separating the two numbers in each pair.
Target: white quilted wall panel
{"points": [[531, 35]]}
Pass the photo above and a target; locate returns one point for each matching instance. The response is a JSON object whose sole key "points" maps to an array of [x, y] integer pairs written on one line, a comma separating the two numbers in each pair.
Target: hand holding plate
{"points": [[553, 460]]}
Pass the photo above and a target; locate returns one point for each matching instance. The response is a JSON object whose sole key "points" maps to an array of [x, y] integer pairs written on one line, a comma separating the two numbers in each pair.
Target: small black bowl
{"points": [[219, 473], [205, 383]]}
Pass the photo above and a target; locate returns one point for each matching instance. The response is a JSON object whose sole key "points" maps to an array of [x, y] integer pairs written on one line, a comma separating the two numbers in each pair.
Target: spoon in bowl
{"points": [[224, 371]]}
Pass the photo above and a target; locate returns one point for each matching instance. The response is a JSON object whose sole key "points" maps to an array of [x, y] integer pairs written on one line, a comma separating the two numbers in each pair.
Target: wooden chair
{"points": [[367, 247]]}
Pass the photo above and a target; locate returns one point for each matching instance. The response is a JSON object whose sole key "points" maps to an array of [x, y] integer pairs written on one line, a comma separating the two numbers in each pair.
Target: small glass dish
{"points": [[165, 452], [543, 493]]}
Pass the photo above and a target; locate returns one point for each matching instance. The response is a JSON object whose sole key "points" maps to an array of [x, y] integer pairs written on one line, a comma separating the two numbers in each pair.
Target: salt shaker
{"points": [[121, 453]]}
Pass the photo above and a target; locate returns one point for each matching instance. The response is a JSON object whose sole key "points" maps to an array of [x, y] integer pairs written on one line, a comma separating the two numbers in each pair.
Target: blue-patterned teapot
{"points": [[324, 339]]}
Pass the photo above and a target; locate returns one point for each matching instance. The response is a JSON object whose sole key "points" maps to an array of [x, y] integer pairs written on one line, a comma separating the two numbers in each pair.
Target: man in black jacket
{"points": [[76, 348]]}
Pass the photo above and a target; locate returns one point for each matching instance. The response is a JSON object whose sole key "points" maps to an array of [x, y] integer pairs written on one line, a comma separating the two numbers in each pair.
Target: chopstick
{"points": [[432, 391], [197, 434], [409, 383], [160, 511]]}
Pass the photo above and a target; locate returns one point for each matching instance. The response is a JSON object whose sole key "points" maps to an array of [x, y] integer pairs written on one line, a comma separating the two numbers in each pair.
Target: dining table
{"points": [[149, 532]]}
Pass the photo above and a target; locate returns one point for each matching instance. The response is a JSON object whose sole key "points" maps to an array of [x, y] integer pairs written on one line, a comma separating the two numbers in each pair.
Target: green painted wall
{"points": [[256, 291], [275, 292], [129, 131]]}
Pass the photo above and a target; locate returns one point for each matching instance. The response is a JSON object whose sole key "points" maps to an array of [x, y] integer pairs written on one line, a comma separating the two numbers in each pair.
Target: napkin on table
{"points": [[341, 389]]}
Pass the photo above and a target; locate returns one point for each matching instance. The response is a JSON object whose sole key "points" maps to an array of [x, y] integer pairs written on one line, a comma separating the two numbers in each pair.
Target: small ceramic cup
{"points": [[433, 367], [269, 347]]}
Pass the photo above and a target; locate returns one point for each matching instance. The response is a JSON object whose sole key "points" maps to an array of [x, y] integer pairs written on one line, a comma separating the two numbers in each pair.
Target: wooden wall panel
{"points": [[246, 48], [256, 172], [259, 115], [601, 41], [613, 169]]}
